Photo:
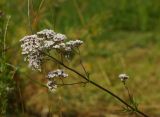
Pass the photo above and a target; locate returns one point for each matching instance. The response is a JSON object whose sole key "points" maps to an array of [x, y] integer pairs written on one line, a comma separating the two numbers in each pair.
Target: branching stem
{"points": [[97, 85]]}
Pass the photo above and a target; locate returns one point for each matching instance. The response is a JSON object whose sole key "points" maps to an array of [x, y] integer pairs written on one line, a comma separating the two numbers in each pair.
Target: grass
{"points": [[119, 37]]}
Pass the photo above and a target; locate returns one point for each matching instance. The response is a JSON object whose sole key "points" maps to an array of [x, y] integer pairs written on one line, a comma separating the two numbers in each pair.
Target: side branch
{"points": [[97, 85]]}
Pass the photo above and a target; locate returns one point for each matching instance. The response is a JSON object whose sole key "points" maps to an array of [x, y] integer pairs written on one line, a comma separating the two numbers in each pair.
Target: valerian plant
{"points": [[36, 49]]}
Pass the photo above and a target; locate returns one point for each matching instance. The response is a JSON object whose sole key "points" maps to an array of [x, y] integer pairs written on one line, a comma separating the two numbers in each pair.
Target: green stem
{"points": [[79, 12], [29, 18]]}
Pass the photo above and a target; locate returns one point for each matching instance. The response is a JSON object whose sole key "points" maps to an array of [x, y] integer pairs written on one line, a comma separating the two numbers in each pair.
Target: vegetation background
{"points": [[120, 36]]}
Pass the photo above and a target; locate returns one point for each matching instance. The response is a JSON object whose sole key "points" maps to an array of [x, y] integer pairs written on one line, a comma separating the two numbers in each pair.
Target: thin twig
{"points": [[41, 4], [39, 8], [21, 97], [79, 12], [62, 80], [130, 97], [81, 63]]}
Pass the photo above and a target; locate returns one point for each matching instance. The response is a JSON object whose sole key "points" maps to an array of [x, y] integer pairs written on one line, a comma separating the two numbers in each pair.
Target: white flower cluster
{"points": [[45, 40], [30, 45], [59, 73], [34, 46], [68, 46], [50, 38], [74, 44], [62, 48], [48, 34], [51, 86], [123, 77]]}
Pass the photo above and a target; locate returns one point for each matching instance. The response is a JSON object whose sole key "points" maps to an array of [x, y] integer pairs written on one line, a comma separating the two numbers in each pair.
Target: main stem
{"points": [[97, 85]]}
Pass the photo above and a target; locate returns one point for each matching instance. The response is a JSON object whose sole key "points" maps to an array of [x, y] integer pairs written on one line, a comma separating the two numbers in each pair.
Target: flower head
{"points": [[51, 86], [33, 46], [123, 77]]}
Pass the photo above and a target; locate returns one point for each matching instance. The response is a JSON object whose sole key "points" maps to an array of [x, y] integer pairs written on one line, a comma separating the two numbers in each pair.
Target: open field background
{"points": [[119, 35]]}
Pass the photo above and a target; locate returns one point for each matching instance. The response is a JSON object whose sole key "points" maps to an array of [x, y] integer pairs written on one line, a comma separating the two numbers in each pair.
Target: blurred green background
{"points": [[120, 36]]}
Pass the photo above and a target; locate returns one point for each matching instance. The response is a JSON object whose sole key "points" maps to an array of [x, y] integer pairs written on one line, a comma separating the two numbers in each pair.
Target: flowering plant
{"points": [[36, 48]]}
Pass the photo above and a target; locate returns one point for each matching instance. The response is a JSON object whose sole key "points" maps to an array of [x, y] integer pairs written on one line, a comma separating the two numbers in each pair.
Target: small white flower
{"points": [[123, 77]]}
